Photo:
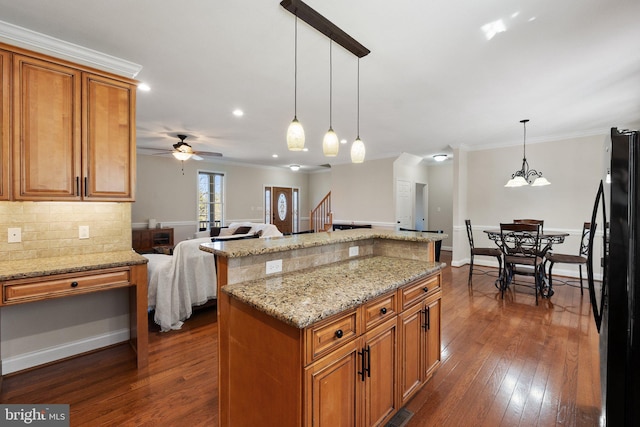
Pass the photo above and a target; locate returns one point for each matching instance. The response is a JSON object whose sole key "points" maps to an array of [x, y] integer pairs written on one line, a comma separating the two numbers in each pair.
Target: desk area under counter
{"points": [[340, 337], [40, 279]]}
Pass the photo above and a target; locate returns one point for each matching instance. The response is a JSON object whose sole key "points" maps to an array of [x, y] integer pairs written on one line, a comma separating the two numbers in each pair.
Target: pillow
{"points": [[242, 230]]}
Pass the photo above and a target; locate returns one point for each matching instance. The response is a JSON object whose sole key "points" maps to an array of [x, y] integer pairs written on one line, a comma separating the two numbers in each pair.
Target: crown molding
{"points": [[43, 43]]}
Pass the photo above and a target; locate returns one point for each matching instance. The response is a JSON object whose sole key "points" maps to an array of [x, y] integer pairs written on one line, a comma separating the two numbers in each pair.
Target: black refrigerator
{"points": [[614, 282]]}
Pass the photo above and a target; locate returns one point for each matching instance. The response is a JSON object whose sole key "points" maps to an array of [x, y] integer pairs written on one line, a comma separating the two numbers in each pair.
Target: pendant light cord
{"points": [[330, 84], [358, 108], [295, 72]]}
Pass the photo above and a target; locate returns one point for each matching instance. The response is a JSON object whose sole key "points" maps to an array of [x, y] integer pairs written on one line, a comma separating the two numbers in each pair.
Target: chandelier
{"points": [[526, 176]]}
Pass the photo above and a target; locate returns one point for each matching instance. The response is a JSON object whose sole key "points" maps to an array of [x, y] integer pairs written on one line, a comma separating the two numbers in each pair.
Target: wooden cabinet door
{"points": [[5, 97], [109, 153], [432, 341], [411, 351], [333, 388], [46, 130], [381, 392]]}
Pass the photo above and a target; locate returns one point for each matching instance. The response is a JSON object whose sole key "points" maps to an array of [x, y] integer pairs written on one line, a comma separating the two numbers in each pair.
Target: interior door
{"points": [[404, 204], [282, 209]]}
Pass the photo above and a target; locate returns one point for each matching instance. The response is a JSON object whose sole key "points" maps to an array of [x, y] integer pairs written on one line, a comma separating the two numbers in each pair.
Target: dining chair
{"points": [[531, 221], [579, 259], [520, 244], [492, 252]]}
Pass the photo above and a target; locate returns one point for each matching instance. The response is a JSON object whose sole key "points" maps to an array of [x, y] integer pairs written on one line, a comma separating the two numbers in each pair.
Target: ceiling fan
{"points": [[184, 151]]}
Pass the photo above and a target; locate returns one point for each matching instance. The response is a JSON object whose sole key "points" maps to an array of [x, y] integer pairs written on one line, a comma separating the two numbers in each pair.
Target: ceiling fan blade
{"points": [[196, 157], [208, 153]]}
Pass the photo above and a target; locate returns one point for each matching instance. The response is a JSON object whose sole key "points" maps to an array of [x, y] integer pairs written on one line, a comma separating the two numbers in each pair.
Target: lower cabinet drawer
{"points": [[329, 334], [22, 290], [379, 310], [414, 292]]}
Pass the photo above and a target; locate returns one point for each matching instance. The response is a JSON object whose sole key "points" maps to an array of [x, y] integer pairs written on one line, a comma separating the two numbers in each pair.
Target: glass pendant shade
{"points": [[357, 151], [540, 181], [518, 181], [330, 144], [295, 136], [180, 155]]}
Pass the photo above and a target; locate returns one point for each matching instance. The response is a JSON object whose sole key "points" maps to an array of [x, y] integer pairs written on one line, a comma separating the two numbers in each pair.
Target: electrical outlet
{"points": [[354, 251], [274, 266], [83, 232], [15, 235]]}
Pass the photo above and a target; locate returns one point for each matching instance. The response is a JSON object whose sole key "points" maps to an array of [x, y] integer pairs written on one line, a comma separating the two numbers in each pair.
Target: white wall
{"points": [[574, 168], [441, 200], [165, 194], [363, 193]]}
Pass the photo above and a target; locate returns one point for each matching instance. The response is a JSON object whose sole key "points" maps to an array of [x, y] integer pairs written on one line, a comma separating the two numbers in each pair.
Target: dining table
{"points": [[548, 239]]}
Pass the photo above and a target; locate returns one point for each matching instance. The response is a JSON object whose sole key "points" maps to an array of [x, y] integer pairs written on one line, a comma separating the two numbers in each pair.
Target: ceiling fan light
{"points": [[294, 167], [357, 151], [181, 155], [440, 157], [295, 136], [330, 144]]}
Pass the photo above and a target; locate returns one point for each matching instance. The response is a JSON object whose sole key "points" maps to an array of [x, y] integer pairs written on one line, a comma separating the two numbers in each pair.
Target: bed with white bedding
{"points": [[178, 282]]}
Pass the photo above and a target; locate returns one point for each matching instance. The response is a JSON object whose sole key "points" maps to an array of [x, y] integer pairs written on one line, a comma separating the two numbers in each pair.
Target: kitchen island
{"points": [[344, 334]]}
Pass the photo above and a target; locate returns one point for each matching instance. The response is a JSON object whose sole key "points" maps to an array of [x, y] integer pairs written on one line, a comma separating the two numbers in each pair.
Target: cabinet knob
{"points": [[383, 310], [425, 289], [74, 284], [339, 333]]}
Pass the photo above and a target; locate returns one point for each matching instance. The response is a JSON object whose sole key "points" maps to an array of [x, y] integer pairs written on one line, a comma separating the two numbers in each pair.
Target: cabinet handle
{"points": [[77, 186], [362, 365], [74, 284], [383, 310], [368, 368], [423, 312], [425, 289], [428, 312], [339, 333], [86, 181]]}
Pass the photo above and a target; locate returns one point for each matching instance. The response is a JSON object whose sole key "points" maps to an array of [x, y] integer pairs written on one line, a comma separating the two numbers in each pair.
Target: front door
{"points": [[282, 209]]}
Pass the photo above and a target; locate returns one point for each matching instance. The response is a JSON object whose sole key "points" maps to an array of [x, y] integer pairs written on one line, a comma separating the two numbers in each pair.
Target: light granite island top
{"points": [[39, 267], [248, 247], [305, 297]]}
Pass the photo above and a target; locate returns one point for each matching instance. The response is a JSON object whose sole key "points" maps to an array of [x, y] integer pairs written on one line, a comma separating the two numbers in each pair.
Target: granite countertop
{"points": [[305, 297], [240, 248], [38, 267]]}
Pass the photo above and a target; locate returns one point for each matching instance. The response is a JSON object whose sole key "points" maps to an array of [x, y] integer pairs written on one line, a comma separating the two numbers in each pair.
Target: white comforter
{"points": [[178, 282]]}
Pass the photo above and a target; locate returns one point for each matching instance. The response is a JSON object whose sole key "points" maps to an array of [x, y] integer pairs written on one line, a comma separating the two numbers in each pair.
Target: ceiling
{"points": [[433, 80]]}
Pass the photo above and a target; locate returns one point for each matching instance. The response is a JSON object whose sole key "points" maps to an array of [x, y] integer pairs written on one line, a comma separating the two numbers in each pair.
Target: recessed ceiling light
{"points": [[305, 149], [238, 112], [144, 87], [343, 141], [275, 156]]}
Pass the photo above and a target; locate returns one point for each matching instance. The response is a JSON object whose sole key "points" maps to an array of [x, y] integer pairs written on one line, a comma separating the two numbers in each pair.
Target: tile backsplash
{"points": [[51, 229]]}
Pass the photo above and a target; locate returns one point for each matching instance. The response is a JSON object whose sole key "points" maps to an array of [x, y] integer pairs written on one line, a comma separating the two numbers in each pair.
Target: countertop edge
{"points": [[250, 247], [42, 267]]}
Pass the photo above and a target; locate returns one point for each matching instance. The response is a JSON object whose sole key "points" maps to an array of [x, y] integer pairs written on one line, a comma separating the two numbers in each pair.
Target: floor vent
{"points": [[400, 419]]}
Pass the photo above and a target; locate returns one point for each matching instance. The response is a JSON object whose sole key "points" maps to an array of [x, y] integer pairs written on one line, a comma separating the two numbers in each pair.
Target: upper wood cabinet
{"points": [[108, 135], [73, 132], [5, 132]]}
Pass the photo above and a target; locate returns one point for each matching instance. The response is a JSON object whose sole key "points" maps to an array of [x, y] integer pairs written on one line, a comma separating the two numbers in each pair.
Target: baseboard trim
{"points": [[51, 354]]}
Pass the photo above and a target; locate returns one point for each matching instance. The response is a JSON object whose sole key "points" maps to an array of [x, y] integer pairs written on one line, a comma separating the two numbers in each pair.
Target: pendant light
{"points": [[295, 132], [357, 148], [330, 143], [523, 176]]}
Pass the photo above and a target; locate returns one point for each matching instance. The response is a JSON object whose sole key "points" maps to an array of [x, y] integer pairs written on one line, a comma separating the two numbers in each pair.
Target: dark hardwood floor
{"points": [[504, 363]]}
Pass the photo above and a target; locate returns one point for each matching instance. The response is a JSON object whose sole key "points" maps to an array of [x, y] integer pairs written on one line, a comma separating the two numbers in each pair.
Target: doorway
{"points": [[281, 208]]}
